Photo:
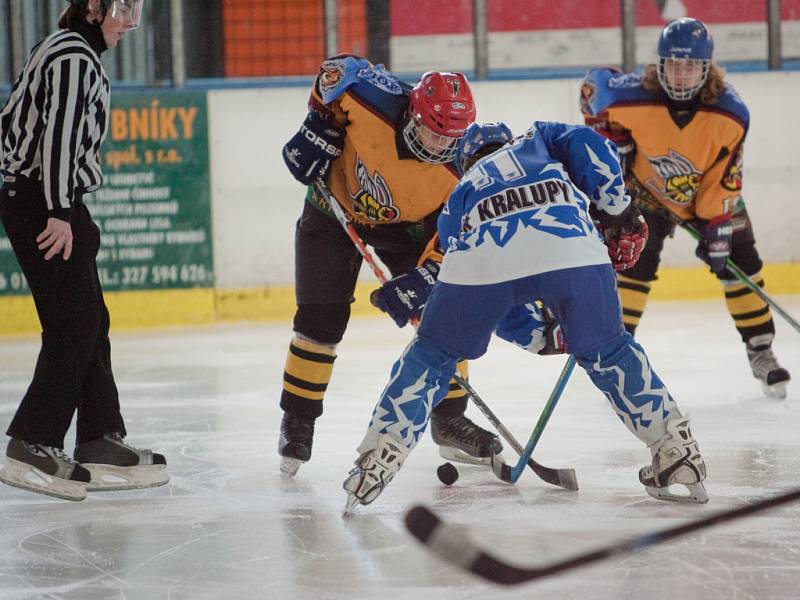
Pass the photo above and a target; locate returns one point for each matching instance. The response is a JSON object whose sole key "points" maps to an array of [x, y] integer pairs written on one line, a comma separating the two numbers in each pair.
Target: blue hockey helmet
{"points": [[476, 138], [685, 50]]}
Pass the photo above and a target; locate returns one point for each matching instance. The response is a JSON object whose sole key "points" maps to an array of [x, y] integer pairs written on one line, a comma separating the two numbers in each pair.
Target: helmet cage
{"points": [[682, 78], [427, 145]]}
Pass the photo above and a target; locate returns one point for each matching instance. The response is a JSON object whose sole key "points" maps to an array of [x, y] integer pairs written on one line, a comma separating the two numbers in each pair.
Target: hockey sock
{"points": [[622, 371], [455, 402], [750, 313], [633, 297], [308, 370]]}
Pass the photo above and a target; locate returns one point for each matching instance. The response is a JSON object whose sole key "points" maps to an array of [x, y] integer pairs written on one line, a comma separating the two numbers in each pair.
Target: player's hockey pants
{"points": [[584, 301], [326, 270]]}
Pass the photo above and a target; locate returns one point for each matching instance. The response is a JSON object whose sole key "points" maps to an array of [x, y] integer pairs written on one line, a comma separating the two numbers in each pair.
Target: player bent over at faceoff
{"points": [[517, 228], [385, 149]]}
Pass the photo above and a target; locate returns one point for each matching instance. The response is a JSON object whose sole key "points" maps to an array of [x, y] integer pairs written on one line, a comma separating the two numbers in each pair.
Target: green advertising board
{"points": [[154, 208]]}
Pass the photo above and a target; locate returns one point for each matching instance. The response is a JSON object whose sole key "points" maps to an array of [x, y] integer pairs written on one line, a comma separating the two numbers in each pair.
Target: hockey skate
{"points": [[461, 440], [765, 367], [116, 465], [294, 445], [373, 471], [44, 470], [676, 461]]}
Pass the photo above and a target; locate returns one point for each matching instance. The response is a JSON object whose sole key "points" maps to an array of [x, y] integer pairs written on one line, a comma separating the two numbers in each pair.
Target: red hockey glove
{"points": [[624, 234]]}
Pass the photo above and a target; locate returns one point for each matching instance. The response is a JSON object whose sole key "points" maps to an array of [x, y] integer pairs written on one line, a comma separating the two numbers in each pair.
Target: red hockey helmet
{"points": [[440, 110]]}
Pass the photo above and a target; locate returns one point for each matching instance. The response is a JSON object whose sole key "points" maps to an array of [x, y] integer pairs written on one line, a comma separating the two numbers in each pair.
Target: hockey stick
{"points": [[564, 478], [734, 269], [511, 474], [456, 546]]}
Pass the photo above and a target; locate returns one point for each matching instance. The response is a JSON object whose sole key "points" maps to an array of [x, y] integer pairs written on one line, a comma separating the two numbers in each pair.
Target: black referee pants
{"points": [[73, 370]]}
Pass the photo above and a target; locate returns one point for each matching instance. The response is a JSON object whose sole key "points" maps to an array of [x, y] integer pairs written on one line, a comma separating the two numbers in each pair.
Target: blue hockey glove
{"points": [[715, 247], [310, 152], [405, 296]]}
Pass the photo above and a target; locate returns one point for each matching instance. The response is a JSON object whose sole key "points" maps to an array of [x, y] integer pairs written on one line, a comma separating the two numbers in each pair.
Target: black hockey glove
{"points": [[715, 247], [310, 152], [625, 235], [405, 296]]}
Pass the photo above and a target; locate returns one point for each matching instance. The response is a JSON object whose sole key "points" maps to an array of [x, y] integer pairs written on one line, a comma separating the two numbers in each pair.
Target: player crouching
{"points": [[534, 241]]}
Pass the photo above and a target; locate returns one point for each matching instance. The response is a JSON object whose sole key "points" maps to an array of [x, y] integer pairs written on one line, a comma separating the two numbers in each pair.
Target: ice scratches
{"points": [[59, 553]]}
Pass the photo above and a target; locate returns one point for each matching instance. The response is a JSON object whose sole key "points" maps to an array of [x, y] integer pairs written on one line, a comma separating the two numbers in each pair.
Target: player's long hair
{"points": [[710, 93]]}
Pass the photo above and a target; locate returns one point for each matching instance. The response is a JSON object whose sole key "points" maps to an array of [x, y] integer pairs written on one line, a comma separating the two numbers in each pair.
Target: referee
{"points": [[50, 131]]}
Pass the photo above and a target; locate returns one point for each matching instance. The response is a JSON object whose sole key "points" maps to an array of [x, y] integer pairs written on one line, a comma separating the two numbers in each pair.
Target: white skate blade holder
{"points": [[459, 456], [28, 477], [696, 493], [109, 478], [290, 466]]}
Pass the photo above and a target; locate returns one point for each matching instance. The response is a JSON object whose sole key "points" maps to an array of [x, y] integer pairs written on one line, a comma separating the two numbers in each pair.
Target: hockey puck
{"points": [[447, 473]]}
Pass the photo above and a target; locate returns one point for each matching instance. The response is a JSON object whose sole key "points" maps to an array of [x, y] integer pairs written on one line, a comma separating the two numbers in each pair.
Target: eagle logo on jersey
{"points": [[373, 201], [732, 180], [331, 75], [681, 178]]}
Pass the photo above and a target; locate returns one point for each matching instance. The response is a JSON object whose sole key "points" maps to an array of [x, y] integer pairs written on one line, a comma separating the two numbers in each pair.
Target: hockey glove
{"points": [[715, 247], [405, 296], [554, 340], [310, 152], [625, 235]]}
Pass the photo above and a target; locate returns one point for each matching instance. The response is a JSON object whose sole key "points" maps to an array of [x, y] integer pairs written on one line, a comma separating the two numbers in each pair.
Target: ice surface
{"points": [[229, 525]]}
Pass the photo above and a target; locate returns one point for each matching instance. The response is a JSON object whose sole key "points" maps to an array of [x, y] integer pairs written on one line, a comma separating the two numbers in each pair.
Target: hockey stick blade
{"points": [[456, 546], [563, 478]]}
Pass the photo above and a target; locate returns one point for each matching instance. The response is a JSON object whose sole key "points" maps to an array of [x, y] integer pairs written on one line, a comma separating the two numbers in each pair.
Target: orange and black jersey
{"points": [[376, 178], [691, 161]]}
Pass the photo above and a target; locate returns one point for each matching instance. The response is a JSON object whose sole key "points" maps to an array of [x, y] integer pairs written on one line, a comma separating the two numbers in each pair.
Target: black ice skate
{"points": [[463, 441], [676, 461], [765, 367], [294, 445], [45, 470], [116, 465]]}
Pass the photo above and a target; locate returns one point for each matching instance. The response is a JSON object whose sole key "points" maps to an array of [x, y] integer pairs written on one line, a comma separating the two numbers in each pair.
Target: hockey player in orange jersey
{"points": [[680, 130], [385, 150]]}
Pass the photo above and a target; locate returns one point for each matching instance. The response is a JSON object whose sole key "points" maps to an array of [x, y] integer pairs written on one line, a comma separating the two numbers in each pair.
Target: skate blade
{"points": [[776, 391], [350, 504], [459, 456], [111, 478], [290, 466], [27, 477], [697, 493]]}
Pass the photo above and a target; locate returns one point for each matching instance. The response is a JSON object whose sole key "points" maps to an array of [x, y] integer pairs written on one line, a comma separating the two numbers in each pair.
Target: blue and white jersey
{"points": [[524, 209]]}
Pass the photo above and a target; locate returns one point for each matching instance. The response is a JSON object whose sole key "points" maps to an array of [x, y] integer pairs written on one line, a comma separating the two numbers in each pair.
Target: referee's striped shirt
{"points": [[56, 118]]}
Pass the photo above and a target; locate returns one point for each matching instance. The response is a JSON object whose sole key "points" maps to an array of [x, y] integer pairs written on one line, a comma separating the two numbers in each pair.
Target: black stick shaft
{"points": [[500, 572]]}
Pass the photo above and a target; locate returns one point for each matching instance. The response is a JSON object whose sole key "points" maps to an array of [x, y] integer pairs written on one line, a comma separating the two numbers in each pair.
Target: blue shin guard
{"points": [[419, 381], [622, 371]]}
